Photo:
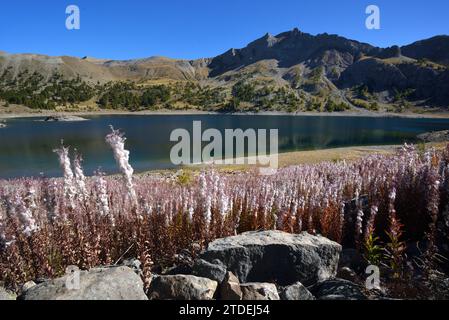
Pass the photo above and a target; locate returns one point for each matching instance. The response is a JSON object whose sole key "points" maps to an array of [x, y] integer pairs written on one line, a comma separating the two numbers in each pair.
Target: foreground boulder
{"points": [[115, 283], [296, 292], [346, 273], [26, 286], [134, 264], [214, 271], [6, 295], [182, 287], [182, 264], [230, 288], [275, 256], [259, 291], [338, 289]]}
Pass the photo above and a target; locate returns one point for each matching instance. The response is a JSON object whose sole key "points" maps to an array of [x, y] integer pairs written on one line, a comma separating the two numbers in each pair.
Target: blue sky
{"points": [[203, 28]]}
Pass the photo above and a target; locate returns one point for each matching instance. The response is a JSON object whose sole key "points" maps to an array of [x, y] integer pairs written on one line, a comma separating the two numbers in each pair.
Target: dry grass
{"points": [[336, 154]]}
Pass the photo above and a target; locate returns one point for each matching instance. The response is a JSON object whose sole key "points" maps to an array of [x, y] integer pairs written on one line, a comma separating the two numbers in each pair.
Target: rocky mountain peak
{"points": [[302, 62]]}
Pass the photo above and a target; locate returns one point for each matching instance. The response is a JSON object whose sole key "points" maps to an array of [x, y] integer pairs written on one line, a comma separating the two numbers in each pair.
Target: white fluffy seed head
{"points": [[69, 183], [117, 142]]}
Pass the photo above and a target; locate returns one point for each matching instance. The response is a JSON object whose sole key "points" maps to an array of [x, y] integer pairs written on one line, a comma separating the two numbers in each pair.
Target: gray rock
{"points": [[214, 271], [439, 283], [346, 273], [134, 264], [230, 288], [296, 292], [338, 297], [284, 258], [183, 264], [437, 136], [26, 286], [182, 287], [338, 289], [6, 295], [64, 118], [115, 283], [259, 291], [178, 269]]}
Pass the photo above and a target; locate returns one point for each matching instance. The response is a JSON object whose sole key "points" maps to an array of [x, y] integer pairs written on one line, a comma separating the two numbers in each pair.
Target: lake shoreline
{"points": [[286, 159], [6, 116], [299, 158], [29, 142]]}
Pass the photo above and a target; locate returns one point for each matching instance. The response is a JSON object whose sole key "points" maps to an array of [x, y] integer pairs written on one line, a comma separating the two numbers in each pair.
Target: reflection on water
{"points": [[26, 144]]}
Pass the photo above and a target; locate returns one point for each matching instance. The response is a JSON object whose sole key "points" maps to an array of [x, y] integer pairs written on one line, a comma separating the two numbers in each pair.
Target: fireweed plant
{"points": [[47, 224]]}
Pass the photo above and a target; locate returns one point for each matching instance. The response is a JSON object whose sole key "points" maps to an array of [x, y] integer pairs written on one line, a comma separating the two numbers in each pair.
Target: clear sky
{"points": [[118, 29]]}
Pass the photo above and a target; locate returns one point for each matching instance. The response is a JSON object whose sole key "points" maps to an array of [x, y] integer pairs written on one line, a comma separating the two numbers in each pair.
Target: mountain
{"points": [[91, 69], [292, 71], [292, 48], [435, 49]]}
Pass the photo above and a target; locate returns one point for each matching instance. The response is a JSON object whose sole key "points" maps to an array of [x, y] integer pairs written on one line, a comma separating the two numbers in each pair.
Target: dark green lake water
{"points": [[26, 144]]}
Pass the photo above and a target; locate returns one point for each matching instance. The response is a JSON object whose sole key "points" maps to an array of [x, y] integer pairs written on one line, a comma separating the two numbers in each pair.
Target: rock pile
{"points": [[265, 265]]}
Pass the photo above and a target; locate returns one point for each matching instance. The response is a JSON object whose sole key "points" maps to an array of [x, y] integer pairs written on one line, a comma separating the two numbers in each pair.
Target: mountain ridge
{"points": [[313, 68]]}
